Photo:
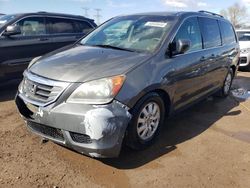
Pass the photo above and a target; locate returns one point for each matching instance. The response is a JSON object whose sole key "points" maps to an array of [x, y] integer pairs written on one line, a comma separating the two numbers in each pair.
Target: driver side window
{"points": [[190, 30]]}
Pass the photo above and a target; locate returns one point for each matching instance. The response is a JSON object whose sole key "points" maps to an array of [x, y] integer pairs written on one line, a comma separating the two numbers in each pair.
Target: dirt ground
{"points": [[207, 145]]}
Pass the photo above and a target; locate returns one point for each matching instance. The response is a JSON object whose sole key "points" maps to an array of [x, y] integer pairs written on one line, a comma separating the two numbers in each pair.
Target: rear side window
{"points": [[32, 26], [190, 30], [60, 25], [210, 32], [228, 34], [82, 27]]}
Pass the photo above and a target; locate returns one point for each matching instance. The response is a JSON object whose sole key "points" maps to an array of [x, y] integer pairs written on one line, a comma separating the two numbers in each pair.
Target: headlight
{"points": [[20, 87], [33, 61], [100, 91], [245, 51]]}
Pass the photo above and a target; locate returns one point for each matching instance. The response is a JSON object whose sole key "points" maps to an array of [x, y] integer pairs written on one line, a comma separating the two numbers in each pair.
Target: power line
{"points": [[98, 15], [86, 11]]}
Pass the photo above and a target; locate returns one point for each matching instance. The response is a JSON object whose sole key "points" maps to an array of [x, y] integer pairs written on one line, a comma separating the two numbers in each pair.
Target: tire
{"points": [[225, 90], [143, 128]]}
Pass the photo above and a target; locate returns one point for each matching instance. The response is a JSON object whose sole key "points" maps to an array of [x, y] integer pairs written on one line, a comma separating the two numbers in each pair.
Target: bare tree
{"points": [[236, 14]]}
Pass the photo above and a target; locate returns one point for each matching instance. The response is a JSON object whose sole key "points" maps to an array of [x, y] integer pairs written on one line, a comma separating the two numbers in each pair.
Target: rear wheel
{"points": [[227, 84], [148, 117]]}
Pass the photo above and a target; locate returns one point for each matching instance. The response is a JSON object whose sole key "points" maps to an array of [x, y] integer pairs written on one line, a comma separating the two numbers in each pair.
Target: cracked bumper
{"points": [[93, 130]]}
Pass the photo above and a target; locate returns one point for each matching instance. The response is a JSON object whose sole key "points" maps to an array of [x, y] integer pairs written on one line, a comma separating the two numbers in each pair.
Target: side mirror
{"points": [[12, 30], [180, 46]]}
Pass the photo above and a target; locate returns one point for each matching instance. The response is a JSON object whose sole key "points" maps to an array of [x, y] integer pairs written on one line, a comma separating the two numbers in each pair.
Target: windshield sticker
{"points": [[156, 24]]}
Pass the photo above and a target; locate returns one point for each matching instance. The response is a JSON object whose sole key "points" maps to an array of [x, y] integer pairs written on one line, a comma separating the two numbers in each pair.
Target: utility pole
{"points": [[98, 15], [86, 11]]}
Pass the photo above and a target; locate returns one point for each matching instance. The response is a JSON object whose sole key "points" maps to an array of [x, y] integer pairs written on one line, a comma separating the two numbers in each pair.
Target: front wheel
{"points": [[148, 117]]}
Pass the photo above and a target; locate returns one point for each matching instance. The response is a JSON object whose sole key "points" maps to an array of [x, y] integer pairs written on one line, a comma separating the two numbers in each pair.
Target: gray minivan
{"points": [[119, 82]]}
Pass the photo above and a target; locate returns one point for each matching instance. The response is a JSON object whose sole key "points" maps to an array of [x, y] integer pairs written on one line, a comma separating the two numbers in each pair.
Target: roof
{"points": [[181, 13], [53, 14]]}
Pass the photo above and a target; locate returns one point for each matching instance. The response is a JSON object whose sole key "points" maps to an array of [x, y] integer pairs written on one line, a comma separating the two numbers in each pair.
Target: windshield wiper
{"points": [[114, 47]]}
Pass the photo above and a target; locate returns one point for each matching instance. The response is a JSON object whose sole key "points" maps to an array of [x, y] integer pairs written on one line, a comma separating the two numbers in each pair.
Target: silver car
{"points": [[244, 41]]}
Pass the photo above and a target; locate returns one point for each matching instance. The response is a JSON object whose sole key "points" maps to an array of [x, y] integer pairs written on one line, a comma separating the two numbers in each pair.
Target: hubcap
{"points": [[148, 121], [227, 84]]}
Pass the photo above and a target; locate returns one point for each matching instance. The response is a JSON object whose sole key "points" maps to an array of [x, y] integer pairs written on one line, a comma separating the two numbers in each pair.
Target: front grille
{"points": [[41, 91], [46, 130], [243, 60], [80, 138]]}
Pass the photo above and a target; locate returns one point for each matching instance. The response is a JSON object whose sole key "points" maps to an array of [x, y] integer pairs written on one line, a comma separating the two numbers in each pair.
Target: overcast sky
{"points": [[112, 8]]}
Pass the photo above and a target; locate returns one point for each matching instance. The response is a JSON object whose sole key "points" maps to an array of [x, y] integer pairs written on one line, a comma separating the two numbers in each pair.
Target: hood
{"points": [[244, 44], [84, 63]]}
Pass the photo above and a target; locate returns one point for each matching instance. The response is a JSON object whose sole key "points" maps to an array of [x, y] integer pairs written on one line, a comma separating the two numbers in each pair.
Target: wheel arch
{"points": [[162, 93], [233, 67]]}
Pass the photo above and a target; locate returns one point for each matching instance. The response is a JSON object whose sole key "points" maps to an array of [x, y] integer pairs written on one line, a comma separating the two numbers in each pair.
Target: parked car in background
{"points": [[244, 40], [118, 83], [25, 36]]}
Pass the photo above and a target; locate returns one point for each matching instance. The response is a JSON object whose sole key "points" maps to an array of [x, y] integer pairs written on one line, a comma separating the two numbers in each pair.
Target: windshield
{"points": [[132, 33], [243, 36], [5, 19]]}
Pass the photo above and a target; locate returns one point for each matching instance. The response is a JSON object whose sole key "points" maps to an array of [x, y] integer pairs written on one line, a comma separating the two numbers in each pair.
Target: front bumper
{"points": [[244, 60], [93, 130]]}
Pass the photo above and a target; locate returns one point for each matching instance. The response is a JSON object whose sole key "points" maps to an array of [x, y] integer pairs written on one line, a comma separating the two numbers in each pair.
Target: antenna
{"points": [[98, 15], [86, 11]]}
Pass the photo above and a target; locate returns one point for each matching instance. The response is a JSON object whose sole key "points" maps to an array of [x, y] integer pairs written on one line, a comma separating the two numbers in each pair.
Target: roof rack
{"points": [[214, 14], [44, 12]]}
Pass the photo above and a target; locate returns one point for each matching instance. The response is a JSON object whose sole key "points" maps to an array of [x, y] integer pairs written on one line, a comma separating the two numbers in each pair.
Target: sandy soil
{"points": [[205, 146]]}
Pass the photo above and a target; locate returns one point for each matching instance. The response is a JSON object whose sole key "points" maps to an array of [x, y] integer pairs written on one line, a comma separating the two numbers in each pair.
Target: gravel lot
{"points": [[205, 146]]}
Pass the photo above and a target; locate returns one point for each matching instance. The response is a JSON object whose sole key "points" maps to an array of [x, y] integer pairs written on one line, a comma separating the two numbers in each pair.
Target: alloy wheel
{"points": [[148, 121]]}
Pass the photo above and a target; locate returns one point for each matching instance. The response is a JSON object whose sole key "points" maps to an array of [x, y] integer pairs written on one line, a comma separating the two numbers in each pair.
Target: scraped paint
{"points": [[97, 123]]}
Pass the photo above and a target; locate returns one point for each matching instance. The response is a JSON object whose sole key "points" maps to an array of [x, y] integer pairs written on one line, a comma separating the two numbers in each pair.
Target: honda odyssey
{"points": [[118, 83]]}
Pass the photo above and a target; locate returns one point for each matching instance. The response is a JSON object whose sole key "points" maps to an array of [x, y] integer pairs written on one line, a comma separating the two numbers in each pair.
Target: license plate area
{"points": [[32, 107]]}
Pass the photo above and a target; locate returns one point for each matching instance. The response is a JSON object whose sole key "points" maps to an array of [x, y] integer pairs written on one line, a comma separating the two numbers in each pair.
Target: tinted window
{"points": [[227, 31], [190, 30], [32, 26], [210, 32], [60, 25], [83, 27]]}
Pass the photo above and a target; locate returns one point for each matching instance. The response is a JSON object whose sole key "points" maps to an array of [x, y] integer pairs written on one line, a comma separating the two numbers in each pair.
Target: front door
{"points": [[188, 74], [18, 50]]}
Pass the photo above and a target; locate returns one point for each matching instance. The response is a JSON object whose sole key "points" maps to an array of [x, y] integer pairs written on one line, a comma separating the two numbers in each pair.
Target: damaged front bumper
{"points": [[93, 130]]}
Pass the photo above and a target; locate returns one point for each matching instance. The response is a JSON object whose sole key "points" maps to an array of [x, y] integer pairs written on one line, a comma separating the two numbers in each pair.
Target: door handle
{"points": [[212, 56], [203, 58]]}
